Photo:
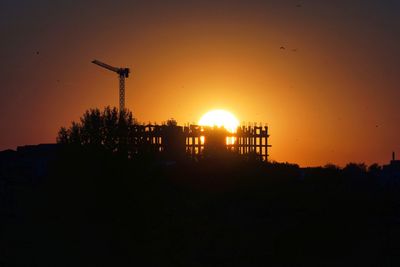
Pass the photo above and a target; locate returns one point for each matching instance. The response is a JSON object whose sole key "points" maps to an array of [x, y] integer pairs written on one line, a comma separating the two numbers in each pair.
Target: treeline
{"points": [[109, 130]]}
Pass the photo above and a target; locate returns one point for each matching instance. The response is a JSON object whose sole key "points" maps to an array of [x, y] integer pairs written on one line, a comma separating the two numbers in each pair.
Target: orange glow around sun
{"points": [[220, 118]]}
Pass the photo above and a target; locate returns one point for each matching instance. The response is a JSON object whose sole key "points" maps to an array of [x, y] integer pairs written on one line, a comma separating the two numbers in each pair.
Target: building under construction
{"points": [[196, 141], [193, 140]]}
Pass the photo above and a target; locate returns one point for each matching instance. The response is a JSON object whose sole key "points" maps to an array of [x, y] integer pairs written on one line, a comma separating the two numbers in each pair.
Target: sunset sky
{"points": [[331, 95]]}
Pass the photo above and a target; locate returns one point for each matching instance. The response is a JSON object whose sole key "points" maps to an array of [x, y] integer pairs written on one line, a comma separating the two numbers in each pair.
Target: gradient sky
{"points": [[330, 96]]}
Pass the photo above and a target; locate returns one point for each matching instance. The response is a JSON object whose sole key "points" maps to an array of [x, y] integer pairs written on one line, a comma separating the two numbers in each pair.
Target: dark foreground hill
{"points": [[95, 209]]}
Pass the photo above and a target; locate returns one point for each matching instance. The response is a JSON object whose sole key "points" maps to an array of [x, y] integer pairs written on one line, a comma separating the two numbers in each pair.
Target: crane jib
{"points": [[123, 73]]}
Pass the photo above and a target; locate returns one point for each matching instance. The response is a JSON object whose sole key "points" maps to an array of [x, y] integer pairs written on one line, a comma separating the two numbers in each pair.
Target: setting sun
{"points": [[220, 118]]}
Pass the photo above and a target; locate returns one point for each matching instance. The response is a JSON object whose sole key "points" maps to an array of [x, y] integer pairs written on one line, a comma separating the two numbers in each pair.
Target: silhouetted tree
{"points": [[110, 129], [332, 167], [374, 170], [356, 168], [63, 136], [125, 121], [91, 127], [172, 122], [110, 126]]}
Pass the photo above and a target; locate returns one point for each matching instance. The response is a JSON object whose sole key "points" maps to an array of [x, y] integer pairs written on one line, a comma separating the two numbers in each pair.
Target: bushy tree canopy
{"points": [[108, 128]]}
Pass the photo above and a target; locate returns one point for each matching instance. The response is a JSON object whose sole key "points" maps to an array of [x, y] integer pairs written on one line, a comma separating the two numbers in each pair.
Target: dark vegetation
{"points": [[97, 207]]}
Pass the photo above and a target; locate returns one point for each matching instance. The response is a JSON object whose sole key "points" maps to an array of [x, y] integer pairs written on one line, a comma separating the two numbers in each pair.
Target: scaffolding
{"points": [[194, 140]]}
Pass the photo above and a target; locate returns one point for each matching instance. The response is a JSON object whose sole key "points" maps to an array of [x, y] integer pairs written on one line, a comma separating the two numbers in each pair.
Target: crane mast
{"points": [[122, 73]]}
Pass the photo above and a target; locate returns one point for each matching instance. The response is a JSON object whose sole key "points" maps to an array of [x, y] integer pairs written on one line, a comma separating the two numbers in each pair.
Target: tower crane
{"points": [[122, 73]]}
